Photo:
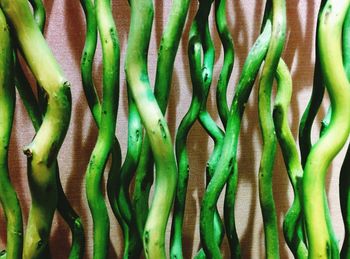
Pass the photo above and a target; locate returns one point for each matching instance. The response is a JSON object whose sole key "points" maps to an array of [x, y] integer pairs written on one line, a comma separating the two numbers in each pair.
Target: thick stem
{"points": [[155, 125], [319, 230]]}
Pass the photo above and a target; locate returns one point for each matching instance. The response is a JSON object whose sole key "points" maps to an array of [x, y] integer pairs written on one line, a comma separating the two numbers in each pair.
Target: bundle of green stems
{"points": [[150, 184]]}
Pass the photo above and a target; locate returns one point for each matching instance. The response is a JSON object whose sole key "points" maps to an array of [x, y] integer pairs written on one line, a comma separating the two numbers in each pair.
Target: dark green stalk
{"points": [[314, 104], [267, 128], [226, 70], [155, 125], [293, 223], [132, 244], [344, 180], [165, 66], [228, 156], [43, 150], [8, 197], [106, 133], [194, 55], [321, 239]]}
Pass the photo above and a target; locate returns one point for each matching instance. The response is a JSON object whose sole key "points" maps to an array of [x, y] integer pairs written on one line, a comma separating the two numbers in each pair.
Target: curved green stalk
{"points": [[103, 147], [267, 128], [314, 103], [293, 223], [132, 244], [155, 125], [42, 152], [194, 55], [8, 197], [228, 155], [344, 180], [40, 18], [319, 231], [165, 66], [226, 70]]}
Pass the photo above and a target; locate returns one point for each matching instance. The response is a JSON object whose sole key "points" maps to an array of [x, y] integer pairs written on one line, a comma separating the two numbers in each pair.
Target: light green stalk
{"points": [[293, 225], [43, 150], [155, 125], [319, 231]]}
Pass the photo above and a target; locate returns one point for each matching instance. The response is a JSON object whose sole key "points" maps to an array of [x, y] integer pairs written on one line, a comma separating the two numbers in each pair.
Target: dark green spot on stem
{"points": [[162, 129]]}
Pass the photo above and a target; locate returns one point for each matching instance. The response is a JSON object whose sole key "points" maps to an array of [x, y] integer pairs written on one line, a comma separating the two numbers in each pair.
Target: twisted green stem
{"points": [[155, 125], [319, 231], [104, 144], [267, 128], [165, 66], [293, 222], [43, 150], [228, 156], [8, 197]]}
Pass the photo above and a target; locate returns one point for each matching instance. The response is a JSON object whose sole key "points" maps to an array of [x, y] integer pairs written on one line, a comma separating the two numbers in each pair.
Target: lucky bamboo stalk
{"points": [[107, 126], [267, 128], [165, 66], [43, 150], [8, 196], [321, 238], [228, 155], [293, 225], [155, 125]]}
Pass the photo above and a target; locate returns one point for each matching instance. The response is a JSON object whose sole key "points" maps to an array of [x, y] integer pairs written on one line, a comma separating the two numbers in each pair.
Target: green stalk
{"points": [[155, 125], [8, 197], [267, 128], [165, 66], [132, 244], [226, 70], [344, 180], [194, 55], [314, 103], [319, 230], [228, 156], [100, 154], [32, 107], [293, 223], [42, 152]]}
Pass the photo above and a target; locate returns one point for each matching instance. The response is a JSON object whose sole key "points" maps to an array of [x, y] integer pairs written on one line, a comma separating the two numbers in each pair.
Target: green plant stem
{"points": [[43, 150], [267, 128], [132, 244], [165, 66], [319, 230], [194, 52], [155, 125], [314, 103], [293, 222], [8, 197], [226, 70], [228, 155], [104, 144]]}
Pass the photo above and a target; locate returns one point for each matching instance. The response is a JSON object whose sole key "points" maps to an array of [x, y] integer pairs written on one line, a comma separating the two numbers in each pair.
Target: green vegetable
{"points": [[8, 196], [155, 125], [321, 239]]}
